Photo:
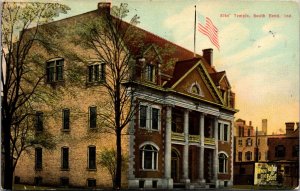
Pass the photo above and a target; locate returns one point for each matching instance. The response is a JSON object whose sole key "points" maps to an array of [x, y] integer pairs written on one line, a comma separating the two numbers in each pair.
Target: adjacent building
{"points": [[284, 152], [281, 151], [181, 134], [247, 140]]}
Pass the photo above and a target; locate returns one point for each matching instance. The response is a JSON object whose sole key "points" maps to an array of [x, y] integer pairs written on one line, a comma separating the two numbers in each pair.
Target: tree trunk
{"points": [[119, 161], [8, 171]]}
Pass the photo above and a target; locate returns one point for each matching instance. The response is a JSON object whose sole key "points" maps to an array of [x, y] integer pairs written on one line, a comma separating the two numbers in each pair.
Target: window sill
{"points": [[38, 169], [95, 83], [221, 173], [65, 169], [148, 129], [149, 170], [56, 83], [91, 169], [65, 130]]}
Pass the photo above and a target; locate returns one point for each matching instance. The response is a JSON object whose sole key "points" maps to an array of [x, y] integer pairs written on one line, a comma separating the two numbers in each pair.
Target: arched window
{"points": [[223, 160], [248, 155], [195, 90], [148, 156]]}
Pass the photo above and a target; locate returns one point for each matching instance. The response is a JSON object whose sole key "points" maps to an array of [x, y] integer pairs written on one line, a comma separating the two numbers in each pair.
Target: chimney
{"points": [[104, 8], [297, 125], [208, 55], [289, 127], [265, 126], [250, 123]]}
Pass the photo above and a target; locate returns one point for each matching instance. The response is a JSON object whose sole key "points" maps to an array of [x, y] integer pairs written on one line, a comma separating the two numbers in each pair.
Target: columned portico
{"points": [[201, 153], [216, 164], [186, 148]]}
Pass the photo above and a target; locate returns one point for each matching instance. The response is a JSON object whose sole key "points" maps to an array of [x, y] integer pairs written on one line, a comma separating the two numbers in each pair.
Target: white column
{"points": [[201, 153], [186, 147], [168, 143], [216, 159], [232, 151]]}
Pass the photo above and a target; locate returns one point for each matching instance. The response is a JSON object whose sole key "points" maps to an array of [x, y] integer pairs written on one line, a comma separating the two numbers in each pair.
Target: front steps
{"points": [[193, 186]]}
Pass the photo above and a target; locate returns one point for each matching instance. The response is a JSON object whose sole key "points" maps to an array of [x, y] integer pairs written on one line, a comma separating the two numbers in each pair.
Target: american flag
{"points": [[210, 31]]}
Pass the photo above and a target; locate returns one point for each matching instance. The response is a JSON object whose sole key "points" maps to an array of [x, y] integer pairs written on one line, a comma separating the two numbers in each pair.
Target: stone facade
{"points": [[180, 134]]}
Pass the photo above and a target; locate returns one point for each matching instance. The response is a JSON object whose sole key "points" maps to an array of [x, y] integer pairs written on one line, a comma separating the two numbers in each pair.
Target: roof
{"points": [[180, 69], [217, 76]]}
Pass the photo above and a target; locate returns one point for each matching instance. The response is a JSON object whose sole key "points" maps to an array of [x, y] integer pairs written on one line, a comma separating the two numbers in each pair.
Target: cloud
{"points": [[258, 48], [273, 26], [232, 36]]}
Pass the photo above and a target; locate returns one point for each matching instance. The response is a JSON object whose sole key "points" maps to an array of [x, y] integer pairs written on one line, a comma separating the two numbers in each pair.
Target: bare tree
{"points": [[107, 36], [22, 71]]}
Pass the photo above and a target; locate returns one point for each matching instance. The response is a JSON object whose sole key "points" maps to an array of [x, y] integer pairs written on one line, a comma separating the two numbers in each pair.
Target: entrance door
{"points": [[175, 166]]}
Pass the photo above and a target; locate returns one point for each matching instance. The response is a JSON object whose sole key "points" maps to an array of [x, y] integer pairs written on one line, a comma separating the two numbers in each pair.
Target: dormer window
{"points": [[150, 73]]}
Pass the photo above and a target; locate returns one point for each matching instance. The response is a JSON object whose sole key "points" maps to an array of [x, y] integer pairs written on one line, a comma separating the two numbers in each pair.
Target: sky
{"points": [[259, 48]]}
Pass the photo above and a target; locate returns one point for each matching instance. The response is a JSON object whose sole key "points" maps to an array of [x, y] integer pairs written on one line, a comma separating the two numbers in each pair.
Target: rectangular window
{"points": [[38, 181], [66, 119], [54, 71], [38, 158], [240, 155], [96, 72], [248, 156], [143, 116], [240, 142], [39, 126], [93, 117], [65, 158], [225, 132], [280, 151], [149, 117], [219, 131], [91, 157], [150, 73], [64, 181], [91, 183], [155, 118], [296, 151]]}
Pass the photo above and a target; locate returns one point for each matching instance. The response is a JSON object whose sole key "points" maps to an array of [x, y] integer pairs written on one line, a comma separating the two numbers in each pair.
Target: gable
{"points": [[198, 75], [224, 83], [151, 54], [194, 79]]}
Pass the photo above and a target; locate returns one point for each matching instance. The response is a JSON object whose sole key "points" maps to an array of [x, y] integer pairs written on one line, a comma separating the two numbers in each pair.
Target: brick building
{"points": [[181, 134], [246, 141], [284, 152], [281, 150]]}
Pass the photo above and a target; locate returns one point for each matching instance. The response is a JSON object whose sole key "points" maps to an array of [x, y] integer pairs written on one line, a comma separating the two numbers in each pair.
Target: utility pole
{"points": [[256, 145]]}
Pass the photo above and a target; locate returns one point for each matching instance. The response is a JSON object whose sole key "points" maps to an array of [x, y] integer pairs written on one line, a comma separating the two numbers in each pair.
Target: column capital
{"points": [[203, 114], [169, 105]]}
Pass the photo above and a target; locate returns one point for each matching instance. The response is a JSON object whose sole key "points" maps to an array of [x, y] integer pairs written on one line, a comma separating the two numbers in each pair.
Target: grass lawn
{"points": [[255, 187], [27, 187]]}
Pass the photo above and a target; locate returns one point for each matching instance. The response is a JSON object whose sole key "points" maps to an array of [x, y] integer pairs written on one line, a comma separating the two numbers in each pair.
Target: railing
{"points": [[194, 138], [177, 136], [209, 141]]}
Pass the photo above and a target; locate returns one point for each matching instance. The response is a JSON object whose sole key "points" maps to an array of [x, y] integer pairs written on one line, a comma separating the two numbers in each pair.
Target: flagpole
{"points": [[195, 33]]}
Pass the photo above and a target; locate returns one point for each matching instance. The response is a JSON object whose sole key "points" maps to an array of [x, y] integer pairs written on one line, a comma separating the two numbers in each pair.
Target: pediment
{"points": [[198, 78]]}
